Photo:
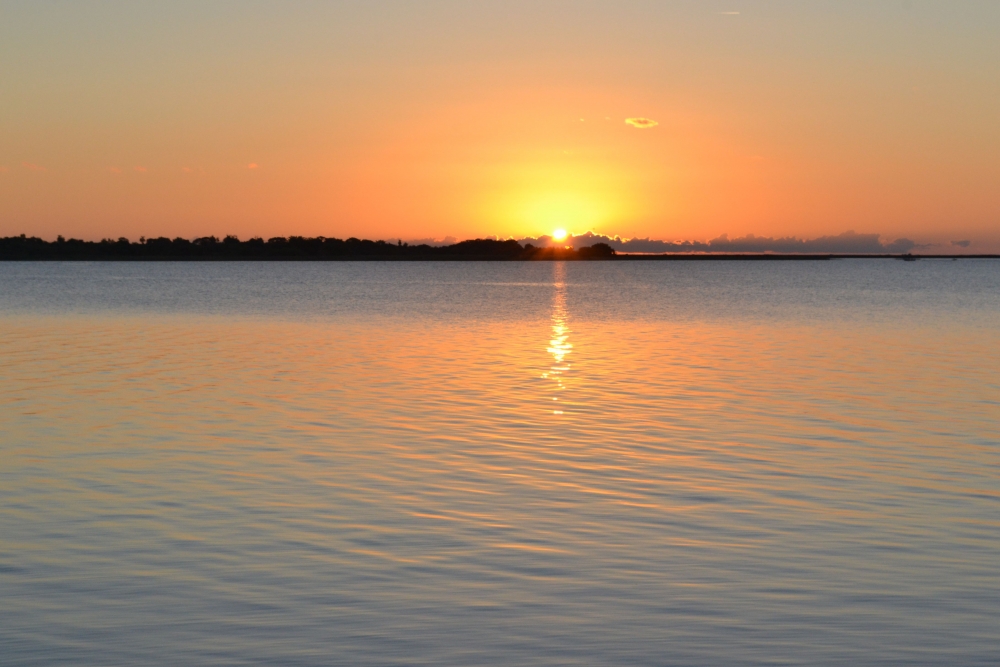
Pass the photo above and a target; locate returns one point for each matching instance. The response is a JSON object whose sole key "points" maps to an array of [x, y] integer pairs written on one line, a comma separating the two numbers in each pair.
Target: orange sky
{"points": [[415, 120]]}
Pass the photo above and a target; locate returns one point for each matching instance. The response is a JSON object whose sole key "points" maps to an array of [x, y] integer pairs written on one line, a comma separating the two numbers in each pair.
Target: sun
{"points": [[559, 235]]}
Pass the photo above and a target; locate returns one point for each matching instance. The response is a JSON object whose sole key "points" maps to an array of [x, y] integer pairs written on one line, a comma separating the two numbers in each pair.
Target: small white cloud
{"points": [[253, 165], [641, 123]]}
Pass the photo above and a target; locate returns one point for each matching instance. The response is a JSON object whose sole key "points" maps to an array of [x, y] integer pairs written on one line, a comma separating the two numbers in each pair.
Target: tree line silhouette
{"points": [[283, 248], [319, 248]]}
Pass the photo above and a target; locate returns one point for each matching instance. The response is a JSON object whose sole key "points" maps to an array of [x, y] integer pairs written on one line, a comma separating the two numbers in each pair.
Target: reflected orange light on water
{"points": [[559, 345], [330, 454]]}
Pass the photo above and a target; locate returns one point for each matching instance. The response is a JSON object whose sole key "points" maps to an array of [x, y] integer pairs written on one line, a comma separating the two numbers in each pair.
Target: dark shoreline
{"points": [[733, 257], [321, 249], [797, 257]]}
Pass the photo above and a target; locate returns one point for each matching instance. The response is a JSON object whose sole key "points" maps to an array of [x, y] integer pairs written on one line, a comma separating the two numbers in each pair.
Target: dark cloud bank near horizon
{"points": [[846, 243]]}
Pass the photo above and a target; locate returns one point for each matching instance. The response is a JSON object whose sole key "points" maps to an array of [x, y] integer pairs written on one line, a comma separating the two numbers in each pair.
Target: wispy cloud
{"points": [[964, 243], [253, 165], [3, 169], [114, 170], [141, 170], [728, 13], [641, 123], [30, 166]]}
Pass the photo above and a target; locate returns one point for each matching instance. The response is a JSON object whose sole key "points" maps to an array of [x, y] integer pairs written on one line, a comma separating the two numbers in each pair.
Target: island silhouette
{"points": [[319, 248]]}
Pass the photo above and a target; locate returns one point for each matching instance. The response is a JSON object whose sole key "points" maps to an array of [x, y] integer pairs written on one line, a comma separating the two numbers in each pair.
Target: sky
{"points": [[660, 120]]}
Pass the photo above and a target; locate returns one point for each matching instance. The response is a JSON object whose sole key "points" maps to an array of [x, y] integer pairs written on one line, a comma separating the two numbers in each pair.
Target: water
{"points": [[500, 464]]}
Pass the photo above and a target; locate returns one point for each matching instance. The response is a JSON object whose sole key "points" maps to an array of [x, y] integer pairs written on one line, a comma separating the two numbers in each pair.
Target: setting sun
{"points": [[495, 332]]}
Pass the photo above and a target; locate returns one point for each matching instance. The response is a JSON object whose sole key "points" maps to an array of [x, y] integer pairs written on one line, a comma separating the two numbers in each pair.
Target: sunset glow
{"points": [[668, 121], [491, 333]]}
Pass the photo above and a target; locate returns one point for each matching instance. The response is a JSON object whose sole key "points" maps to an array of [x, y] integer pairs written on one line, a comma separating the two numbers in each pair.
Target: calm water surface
{"points": [[500, 464]]}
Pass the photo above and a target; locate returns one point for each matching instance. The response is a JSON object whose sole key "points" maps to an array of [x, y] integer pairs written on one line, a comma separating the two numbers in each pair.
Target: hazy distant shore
{"points": [[297, 248]]}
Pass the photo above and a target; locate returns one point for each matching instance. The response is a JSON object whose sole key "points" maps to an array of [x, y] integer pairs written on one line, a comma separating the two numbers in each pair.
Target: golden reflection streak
{"points": [[559, 345]]}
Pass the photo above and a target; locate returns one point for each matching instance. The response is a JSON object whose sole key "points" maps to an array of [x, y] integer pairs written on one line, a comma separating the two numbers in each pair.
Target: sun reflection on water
{"points": [[559, 345], [329, 464]]}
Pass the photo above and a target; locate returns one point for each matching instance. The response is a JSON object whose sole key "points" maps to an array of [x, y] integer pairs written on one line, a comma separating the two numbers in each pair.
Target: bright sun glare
{"points": [[559, 235]]}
